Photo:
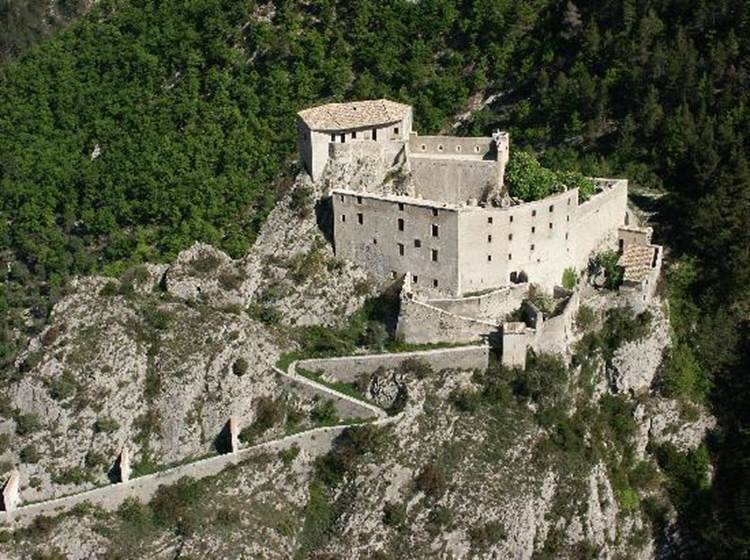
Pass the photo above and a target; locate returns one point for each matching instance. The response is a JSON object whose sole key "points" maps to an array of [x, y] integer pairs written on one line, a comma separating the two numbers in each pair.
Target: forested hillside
{"points": [[147, 125]]}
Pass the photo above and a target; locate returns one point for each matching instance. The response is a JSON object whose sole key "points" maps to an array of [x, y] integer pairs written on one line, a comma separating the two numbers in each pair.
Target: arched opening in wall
{"points": [[423, 147], [458, 148], [476, 149], [440, 147], [518, 277]]}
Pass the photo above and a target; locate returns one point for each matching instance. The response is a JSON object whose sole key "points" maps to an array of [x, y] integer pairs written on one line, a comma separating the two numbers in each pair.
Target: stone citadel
{"points": [[439, 216]]}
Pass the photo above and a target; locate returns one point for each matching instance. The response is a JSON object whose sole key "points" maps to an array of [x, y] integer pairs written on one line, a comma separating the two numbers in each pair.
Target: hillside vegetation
{"points": [[147, 125]]}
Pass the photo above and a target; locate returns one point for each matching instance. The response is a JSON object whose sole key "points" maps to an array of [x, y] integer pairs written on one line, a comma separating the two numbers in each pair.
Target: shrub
{"points": [[109, 289], [431, 480], [175, 506], [466, 400], [374, 336], [289, 454], [27, 423], [607, 261], [486, 535], [106, 425], [64, 386], [240, 367], [300, 201], [134, 512], [585, 317], [205, 263], [264, 313], [29, 454], [268, 413], [354, 442], [394, 514], [575, 179], [230, 280], [569, 278], [526, 177], [543, 302], [324, 413], [74, 475], [684, 376]]}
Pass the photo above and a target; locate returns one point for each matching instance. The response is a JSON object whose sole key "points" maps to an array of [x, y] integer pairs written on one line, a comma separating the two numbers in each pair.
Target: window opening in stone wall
{"points": [[417, 243], [476, 149], [458, 148], [395, 130], [621, 245], [566, 236], [510, 256], [533, 229], [489, 239], [567, 218], [514, 277], [393, 274], [401, 206], [374, 133], [440, 147], [489, 220], [415, 278], [510, 237], [532, 246], [434, 230], [568, 202], [400, 224], [333, 137], [533, 213], [341, 198], [434, 283], [552, 208], [511, 219], [343, 138], [354, 134], [434, 211], [434, 255], [550, 225], [360, 218], [374, 241], [489, 258], [343, 217], [401, 249], [359, 200], [423, 147]]}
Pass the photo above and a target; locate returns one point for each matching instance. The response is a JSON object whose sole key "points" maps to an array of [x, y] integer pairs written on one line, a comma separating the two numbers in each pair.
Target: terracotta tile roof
{"points": [[636, 260], [355, 114]]}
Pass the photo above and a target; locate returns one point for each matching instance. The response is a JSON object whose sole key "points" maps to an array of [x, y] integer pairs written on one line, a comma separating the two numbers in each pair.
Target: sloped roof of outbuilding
{"points": [[354, 114], [636, 260]]}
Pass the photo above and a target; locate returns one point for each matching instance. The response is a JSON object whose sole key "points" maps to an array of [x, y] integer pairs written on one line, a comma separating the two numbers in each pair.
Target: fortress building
{"points": [[448, 224]]}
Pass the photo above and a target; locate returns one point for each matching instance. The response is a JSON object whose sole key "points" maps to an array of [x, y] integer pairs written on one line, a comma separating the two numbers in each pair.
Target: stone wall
{"points": [[489, 306], [555, 334], [349, 368], [367, 232], [452, 179], [597, 220], [421, 323], [481, 147]]}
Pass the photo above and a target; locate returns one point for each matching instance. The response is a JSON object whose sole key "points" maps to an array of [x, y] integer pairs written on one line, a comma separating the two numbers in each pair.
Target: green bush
{"points": [[466, 400], [240, 367], [607, 261], [268, 413], [135, 512], [106, 424], [176, 506], [527, 179], [29, 454], [289, 454], [64, 386], [575, 179], [353, 443], [27, 423], [300, 201], [230, 280], [394, 514], [543, 302], [431, 480], [324, 413], [684, 376], [585, 318], [569, 278]]}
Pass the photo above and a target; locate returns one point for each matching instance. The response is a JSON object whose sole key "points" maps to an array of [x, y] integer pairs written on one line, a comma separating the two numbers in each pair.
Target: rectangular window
{"points": [[566, 236], [434, 211], [417, 243], [510, 256], [511, 219], [374, 133], [533, 229], [341, 198], [434, 283], [415, 278], [401, 249], [343, 138], [434, 255], [489, 239], [359, 200], [354, 134], [434, 230], [532, 246], [360, 218], [550, 225], [533, 213], [393, 274], [567, 218], [333, 137], [489, 258], [401, 206], [551, 207], [374, 241], [400, 224], [343, 217], [568, 202], [510, 237], [489, 220], [395, 130]]}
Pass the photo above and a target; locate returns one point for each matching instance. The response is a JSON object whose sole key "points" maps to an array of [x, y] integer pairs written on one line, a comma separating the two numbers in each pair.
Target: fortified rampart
{"points": [[349, 368], [487, 306]]}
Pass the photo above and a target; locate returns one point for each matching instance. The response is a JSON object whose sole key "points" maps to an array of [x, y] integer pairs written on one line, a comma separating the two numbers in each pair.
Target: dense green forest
{"points": [[147, 125]]}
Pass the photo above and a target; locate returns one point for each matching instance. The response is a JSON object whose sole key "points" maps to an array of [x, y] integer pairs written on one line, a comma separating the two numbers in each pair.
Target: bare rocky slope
{"points": [[553, 462]]}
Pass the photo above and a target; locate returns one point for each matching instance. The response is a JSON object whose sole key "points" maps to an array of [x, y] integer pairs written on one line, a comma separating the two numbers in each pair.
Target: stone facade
{"points": [[448, 224]]}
